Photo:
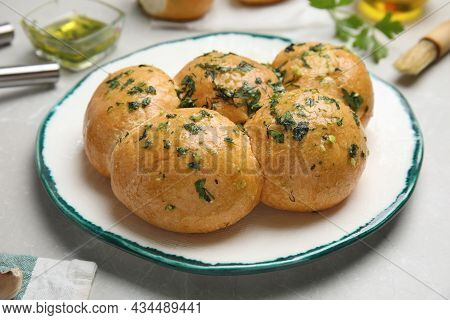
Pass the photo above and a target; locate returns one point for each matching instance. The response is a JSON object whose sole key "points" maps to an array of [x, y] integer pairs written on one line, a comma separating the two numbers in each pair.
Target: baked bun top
{"points": [[259, 2], [333, 69], [233, 85], [177, 10], [311, 148], [124, 99], [187, 171]]}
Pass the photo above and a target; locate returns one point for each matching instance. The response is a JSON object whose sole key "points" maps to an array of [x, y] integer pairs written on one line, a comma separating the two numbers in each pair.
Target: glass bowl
{"points": [[77, 34]]}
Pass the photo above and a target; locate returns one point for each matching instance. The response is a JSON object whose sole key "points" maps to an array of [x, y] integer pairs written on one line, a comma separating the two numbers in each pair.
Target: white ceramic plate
{"points": [[265, 240]]}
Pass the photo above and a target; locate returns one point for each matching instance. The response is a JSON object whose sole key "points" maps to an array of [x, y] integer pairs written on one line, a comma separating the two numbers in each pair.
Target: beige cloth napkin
{"points": [[51, 279]]}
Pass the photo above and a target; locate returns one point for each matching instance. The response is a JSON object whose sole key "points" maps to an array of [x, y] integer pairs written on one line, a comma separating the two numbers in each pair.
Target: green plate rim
{"points": [[194, 266]]}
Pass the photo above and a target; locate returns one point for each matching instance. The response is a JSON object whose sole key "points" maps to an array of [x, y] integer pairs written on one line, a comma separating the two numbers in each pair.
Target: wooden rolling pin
{"points": [[429, 49]]}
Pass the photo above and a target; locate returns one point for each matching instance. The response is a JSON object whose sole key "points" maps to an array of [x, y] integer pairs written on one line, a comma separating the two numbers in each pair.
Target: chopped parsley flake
{"points": [[203, 193], [133, 105], [276, 87], [211, 70], [186, 92], [276, 135], [169, 207], [244, 67], [148, 143], [289, 48], [144, 133], [129, 81], [310, 102], [249, 96], [228, 140], [329, 137], [187, 102], [300, 131], [245, 96], [113, 83], [201, 115], [192, 128], [317, 48], [181, 151], [353, 150], [240, 127], [355, 117], [166, 144], [279, 73], [145, 102], [330, 100], [287, 121], [224, 93], [135, 90], [354, 100], [274, 99], [162, 125], [195, 164], [303, 58], [151, 90], [123, 137], [196, 117]]}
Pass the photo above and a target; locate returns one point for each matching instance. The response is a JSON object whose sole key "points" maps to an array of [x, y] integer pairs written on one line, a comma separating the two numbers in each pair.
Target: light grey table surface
{"points": [[408, 259]]}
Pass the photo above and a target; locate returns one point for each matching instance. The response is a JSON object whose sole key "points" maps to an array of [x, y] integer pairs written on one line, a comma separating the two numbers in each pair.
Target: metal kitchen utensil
{"points": [[15, 76], [6, 33]]}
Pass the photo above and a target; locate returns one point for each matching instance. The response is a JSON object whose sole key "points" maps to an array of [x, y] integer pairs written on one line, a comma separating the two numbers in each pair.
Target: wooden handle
{"points": [[440, 36]]}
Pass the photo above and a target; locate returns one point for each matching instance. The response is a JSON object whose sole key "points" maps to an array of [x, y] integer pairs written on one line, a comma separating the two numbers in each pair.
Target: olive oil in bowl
{"points": [[74, 28], [75, 40], [402, 10]]}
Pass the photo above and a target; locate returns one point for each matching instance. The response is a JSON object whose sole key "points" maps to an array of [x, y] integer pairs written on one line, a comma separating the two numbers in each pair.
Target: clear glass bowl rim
{"points": [[29, 22]]}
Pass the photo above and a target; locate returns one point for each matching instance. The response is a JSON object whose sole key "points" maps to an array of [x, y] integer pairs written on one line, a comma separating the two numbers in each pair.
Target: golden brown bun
{"points": [[333, 69], [234, 86], [109, 116], [177, 10], [311, 148], [259, 2], [210, 183]]}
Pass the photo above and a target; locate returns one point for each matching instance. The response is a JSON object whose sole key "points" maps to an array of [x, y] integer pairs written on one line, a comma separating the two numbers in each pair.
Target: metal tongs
{"points": [[25, 75]]}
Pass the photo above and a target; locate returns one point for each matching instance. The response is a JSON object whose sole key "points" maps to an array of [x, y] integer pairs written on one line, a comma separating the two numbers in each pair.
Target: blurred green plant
{"points": [[349, 27]]}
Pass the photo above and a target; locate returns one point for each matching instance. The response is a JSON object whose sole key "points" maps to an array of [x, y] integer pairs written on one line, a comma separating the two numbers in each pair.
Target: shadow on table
{"points": [[11, 94], [294, 283], [405, 80]]}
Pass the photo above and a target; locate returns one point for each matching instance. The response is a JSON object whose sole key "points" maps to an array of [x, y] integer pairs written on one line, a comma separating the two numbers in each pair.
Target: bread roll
{"points": [[332, 68], [178, 10], [312, 150], [124, 99], [259, 2], [233, 85], [188, 171]]}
